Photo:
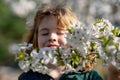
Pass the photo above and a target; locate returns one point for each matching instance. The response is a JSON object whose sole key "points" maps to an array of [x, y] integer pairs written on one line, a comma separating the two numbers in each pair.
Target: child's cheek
{"points": [[63, 41], [41, 42]]}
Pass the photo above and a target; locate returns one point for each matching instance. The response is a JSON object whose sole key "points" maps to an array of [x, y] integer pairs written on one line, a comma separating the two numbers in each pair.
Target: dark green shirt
{"points": [[30, 75], [90, 75]]}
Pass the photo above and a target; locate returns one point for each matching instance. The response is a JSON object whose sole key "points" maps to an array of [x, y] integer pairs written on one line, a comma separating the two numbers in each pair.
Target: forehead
{"points": [[50, 22]]}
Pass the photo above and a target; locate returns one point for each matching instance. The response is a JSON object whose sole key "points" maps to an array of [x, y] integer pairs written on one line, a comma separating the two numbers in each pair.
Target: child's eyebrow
{"points": [[43, 29]]}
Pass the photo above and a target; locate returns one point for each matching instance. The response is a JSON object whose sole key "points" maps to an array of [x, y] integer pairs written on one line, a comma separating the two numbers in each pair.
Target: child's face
{"points": [[49, 35]]}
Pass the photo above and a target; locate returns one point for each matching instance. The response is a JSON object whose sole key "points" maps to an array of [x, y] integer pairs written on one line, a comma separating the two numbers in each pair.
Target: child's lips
{"points": [[53, 45]]}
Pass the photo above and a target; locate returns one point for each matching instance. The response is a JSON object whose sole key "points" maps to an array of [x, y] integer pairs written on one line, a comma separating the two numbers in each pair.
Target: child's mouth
{"points": [[53, 45]]}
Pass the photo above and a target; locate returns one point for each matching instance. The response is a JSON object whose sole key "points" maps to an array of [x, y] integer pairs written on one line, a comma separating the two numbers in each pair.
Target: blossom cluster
{"points": [[101, 40], [108, 36], [31, 59], [84, 48]]}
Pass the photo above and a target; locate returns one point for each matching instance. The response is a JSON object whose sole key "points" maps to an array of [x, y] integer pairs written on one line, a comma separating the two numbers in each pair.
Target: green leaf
{"points": [[58, 50], [106, 42], [103, 38], [102, 29], [20, 56], [116, 31], [98, 21], [92, 44]]}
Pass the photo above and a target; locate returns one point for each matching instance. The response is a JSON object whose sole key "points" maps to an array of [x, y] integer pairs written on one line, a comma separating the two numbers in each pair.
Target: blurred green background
{"points": [[12, 29]]}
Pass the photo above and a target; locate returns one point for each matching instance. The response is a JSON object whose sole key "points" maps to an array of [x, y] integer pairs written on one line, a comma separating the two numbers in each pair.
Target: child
{"points": [[50, 26]]}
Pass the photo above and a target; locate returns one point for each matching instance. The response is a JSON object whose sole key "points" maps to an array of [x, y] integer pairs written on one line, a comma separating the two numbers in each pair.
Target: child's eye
{"points": [[45, 34]]}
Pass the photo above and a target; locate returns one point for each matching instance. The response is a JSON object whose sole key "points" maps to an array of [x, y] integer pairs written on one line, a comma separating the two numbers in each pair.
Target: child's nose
{"points": [[53, 37]]}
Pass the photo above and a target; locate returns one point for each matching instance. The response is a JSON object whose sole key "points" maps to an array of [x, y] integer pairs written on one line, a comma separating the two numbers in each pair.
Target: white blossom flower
{"points": [[64, 50], [111, 49], [116, 40], [78, 36], [47, 55], [40, 68], [69, 68], [24, 65], [34, 54], [118, 55], [102, 27]]}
